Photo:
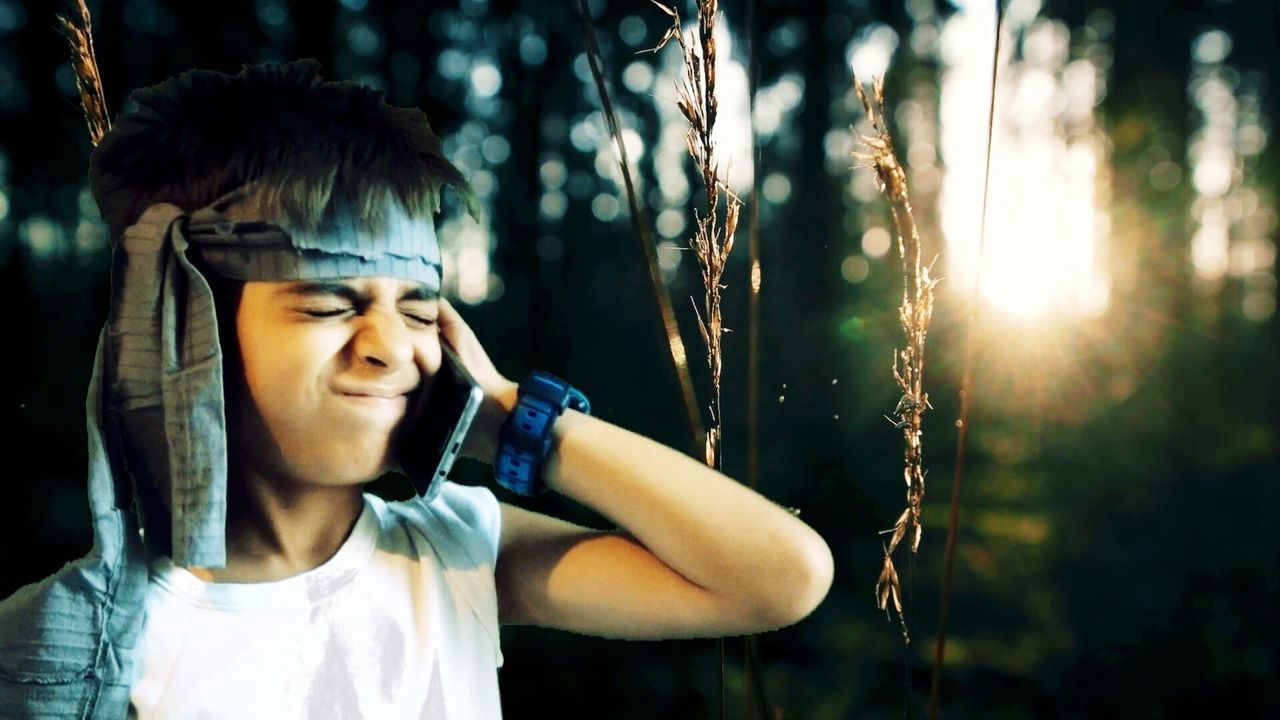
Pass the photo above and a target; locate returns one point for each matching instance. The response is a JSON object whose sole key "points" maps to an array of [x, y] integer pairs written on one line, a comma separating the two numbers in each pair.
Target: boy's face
{"points": [[327, 368]]}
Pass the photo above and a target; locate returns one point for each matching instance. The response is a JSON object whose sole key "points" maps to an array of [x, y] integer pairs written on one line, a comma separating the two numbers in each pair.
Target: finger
{"points": [[458, 325], [447, 313], [449, 317], [455, 333]]}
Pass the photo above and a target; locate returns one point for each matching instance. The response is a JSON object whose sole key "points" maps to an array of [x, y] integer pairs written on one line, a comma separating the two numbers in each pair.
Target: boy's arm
{"points": [[697, 553]]}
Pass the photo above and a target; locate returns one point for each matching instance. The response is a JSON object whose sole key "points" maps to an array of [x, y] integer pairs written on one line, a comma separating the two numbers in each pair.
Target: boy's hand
{"points": [[499, 392]]}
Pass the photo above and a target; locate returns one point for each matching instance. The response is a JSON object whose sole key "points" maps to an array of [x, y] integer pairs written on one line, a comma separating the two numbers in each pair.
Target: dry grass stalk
{"points": [[644, 235], [79, 34], [914, 314], [713, 238]]}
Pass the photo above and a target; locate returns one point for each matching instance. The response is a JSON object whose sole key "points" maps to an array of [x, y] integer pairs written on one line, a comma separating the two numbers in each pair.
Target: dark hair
{"points": [[306, 144]]}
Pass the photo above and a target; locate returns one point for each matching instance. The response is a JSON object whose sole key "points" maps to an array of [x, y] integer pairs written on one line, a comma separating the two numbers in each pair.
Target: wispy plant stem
{"points": [[644, 237], [754, 680], [914, 314], [712, 239], [78, 30], [753, 330], [966, 383]]}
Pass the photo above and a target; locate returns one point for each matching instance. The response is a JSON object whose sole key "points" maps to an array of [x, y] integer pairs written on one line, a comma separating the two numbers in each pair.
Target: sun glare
{"points": [[1046, 222]]}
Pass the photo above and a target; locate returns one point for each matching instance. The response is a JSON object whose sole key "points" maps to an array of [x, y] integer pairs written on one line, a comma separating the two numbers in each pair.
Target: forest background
{"points": [[1115, 555]]}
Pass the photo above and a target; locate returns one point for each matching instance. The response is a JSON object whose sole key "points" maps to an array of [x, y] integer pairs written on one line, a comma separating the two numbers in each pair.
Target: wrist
{"points": [[504, 398], [496, 407], [529, 436], [564, 426]]}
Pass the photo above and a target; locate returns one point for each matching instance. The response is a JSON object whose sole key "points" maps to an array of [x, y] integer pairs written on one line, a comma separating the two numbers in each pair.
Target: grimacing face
{"points": [[328, 367]]}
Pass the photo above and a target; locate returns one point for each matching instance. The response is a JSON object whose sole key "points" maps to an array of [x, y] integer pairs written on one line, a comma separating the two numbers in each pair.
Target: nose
{"points": [[383, 341]]}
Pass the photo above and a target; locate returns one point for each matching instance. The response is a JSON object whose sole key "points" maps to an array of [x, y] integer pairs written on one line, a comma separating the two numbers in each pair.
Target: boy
{"points": [[275, 308]]}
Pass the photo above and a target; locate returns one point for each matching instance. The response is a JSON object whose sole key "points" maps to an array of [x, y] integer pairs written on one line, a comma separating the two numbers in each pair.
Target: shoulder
{"points": [[52, 636], [54, 630], [461, 527], [48, 628], [465, 518]]}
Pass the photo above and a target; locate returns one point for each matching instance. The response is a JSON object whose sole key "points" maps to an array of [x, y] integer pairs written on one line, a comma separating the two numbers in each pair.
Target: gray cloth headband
{"points": [[163, 412], [257, 250]]}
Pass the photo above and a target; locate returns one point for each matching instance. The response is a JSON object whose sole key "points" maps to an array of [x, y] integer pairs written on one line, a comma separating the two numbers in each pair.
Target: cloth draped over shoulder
{"points": [[155, 414]]}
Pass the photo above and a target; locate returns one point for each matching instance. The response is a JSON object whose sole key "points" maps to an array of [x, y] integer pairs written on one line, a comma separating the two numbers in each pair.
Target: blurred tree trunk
{"points": [[515, 212], [815, 225]]}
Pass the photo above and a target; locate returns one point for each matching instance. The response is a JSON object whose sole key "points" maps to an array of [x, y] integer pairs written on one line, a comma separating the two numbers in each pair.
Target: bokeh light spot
{"points": [[486, 81], [605, 207], [855, 269], [876, 242]]}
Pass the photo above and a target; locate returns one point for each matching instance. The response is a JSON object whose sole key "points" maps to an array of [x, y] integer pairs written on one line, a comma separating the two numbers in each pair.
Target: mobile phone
{"points": [[437, 423]]}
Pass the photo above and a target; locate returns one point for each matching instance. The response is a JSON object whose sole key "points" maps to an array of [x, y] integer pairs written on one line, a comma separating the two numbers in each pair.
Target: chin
{"points": [[344, 467], [350, 473]]}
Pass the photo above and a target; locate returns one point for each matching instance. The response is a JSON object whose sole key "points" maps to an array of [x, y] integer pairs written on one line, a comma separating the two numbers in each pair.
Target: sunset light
{"points": [[1047, 226]]}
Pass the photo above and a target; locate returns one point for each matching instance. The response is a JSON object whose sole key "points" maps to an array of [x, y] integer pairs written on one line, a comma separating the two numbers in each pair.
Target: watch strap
{"points": [[525, 439]]}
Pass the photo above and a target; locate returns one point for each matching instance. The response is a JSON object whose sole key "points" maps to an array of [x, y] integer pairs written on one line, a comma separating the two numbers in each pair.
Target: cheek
{"points": [[284, 371], [287, 376], [430, 355]]}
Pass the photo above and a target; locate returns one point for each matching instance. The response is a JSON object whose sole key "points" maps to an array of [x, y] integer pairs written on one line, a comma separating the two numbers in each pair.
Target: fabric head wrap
{"points": [[163, 416]]}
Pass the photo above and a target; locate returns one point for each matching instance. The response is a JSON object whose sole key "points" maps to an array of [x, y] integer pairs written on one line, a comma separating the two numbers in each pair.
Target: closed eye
{"points": [[327, 312], [421, 320], [338, 312]]}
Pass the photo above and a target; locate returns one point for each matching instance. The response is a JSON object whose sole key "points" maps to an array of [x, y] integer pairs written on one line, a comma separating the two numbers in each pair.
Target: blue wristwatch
{"points": [[524, 442]]}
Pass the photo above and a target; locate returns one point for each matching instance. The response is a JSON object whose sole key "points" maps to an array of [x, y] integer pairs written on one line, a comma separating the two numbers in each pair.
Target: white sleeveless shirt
{"points": [[402, 622]]}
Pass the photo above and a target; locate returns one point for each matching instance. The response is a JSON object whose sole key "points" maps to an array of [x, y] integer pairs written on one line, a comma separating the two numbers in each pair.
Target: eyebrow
{"points": [[417, 292]]}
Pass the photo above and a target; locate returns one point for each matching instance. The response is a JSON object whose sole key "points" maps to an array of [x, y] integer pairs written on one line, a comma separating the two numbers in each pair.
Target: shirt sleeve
{"points": [[464, 525], [477, 508]]}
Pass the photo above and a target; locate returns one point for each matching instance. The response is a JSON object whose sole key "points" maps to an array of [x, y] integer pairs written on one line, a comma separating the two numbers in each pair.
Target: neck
{"points": [[278, 528]]}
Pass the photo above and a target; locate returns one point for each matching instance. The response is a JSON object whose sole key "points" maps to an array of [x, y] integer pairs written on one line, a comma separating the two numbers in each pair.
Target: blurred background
{"points": [[1116, 555]]}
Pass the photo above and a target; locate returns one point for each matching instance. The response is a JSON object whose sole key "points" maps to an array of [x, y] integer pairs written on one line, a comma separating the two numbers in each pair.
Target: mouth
{"points": [[376, 399], [375, 396], [377, 403]]}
